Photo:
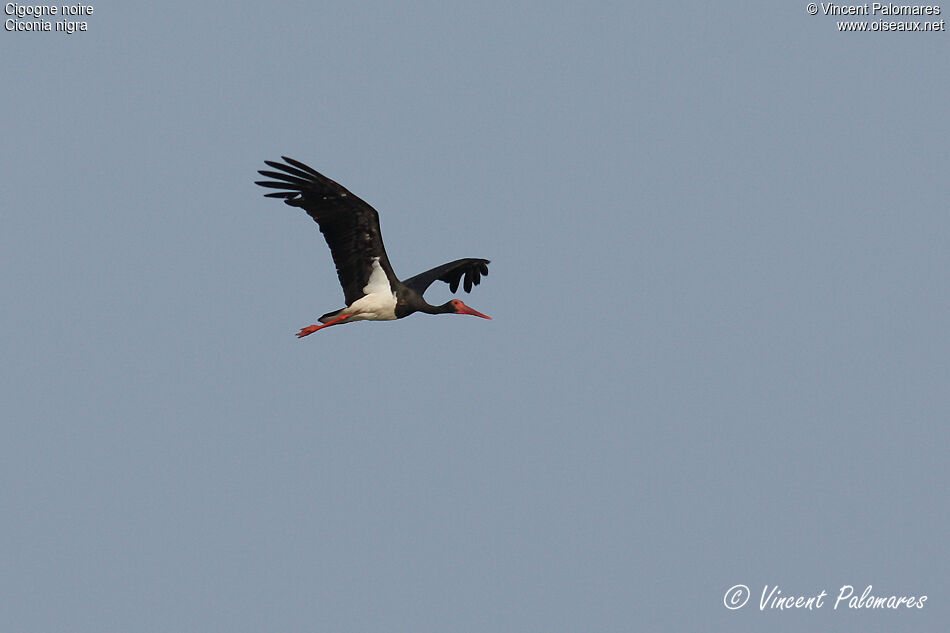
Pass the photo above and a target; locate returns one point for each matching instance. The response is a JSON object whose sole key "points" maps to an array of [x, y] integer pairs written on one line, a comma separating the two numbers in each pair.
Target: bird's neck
{"points": [[428, 308]]}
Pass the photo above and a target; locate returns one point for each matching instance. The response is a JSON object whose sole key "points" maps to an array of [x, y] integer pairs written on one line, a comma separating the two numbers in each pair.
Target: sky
{"points": [[718, 359]]}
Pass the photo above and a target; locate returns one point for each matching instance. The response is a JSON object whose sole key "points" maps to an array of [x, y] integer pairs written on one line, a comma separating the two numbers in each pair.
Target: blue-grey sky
{"points": [[719, 239]]}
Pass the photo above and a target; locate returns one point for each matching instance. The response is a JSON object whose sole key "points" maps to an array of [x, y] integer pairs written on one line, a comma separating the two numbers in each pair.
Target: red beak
{"points": [[464, 309]]}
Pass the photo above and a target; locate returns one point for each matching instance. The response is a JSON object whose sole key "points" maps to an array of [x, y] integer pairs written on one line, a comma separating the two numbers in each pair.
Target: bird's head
{"points": [[457, 307]]}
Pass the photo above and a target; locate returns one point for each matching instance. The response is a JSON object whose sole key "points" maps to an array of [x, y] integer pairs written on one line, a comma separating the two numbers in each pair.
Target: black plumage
{"points": [[351, 229]]}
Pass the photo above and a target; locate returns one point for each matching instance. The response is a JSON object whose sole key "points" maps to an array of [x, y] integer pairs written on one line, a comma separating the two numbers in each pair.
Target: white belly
{"points": [[379, 302]]}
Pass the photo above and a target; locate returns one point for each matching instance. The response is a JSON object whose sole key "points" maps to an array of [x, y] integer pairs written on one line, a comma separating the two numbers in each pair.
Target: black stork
{"points": [[351, 228]]}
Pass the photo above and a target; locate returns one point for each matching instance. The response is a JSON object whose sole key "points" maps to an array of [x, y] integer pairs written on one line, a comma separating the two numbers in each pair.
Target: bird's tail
{"points": [[329, 316]]}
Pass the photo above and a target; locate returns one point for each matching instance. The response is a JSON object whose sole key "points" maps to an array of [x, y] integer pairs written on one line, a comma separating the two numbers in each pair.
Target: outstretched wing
{"points": [[472, 269], [349, 225]]}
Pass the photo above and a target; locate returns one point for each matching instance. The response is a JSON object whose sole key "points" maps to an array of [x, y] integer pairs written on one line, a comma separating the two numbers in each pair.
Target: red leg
{"points": [[310, 329]]}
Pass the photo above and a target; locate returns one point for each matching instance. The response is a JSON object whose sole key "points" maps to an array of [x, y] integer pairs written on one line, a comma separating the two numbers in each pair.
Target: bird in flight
{"points": [[351, 228]]}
